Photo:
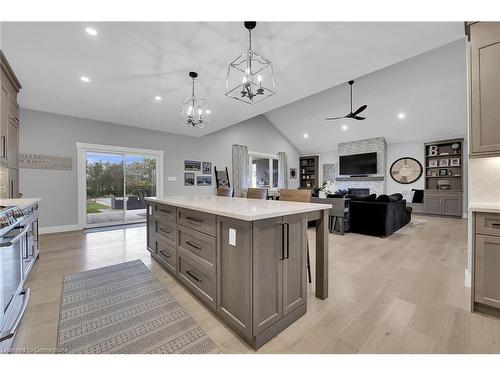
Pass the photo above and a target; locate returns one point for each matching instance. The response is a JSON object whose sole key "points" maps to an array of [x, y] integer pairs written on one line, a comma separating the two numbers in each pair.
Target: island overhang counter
{"points": [[245, 259]]}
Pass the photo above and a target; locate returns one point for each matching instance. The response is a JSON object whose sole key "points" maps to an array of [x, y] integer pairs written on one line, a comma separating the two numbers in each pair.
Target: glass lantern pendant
{"points": [[193, 111], [250, 77]]}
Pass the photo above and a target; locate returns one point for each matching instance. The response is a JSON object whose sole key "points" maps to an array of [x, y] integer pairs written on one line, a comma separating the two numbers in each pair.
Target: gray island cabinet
{"points": [[245, 259]]}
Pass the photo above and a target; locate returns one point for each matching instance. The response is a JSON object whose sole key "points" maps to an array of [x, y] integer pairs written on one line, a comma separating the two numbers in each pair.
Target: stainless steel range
{"points": [[18, 252]]}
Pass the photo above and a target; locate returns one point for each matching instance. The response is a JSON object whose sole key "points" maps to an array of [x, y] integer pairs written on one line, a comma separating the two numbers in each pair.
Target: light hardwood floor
{"points": [[401, 294]]}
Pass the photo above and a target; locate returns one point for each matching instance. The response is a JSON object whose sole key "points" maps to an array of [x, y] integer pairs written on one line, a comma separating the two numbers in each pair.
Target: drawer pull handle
{"points": [[165, 254], [190, 273], [195, 219], [165, 211], [165, 230], [496, 225], [192, 244]]}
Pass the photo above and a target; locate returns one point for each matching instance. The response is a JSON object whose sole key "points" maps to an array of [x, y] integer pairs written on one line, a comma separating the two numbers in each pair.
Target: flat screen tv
{"points": [[359, 164]]}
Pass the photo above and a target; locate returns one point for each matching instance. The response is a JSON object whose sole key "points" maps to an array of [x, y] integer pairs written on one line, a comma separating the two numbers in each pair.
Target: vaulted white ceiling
{"points": [[429, 91], [130, 63]]}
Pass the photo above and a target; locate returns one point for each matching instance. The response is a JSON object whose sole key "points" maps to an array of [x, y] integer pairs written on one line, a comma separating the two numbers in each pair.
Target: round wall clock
{"points": [[406, 170]]}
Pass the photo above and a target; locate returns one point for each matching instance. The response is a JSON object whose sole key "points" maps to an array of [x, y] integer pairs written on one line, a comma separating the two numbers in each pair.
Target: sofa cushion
{"points": [[383, 198], [365, 198], [397, 196]]}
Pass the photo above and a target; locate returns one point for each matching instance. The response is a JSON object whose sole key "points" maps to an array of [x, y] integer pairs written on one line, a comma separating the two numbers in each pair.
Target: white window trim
{"points": [[82, 148], [270, 157]]}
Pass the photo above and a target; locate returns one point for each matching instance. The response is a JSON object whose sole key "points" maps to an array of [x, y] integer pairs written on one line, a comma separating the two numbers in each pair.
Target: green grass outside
{"points": [[95, 208]]}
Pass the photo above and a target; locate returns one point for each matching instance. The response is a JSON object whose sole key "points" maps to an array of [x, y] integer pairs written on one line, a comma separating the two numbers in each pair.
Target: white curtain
{"points": [[240, 170], [282, 170]]}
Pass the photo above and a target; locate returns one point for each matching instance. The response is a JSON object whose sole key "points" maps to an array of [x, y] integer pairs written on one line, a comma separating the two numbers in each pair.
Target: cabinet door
{"points": [[432, 205], [4, 123], [234, 273], [13, 183], [294, 264], [485, 88], [150, 219], [452, 206], [487, 275], [268, 253], [12, 143]]}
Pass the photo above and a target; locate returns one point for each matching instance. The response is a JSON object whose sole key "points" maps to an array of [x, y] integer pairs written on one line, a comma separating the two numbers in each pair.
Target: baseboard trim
{"points": [[60, 229], [468, 278]]}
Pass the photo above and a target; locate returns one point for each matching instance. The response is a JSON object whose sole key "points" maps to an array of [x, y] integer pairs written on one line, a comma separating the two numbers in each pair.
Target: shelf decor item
{"points": [[433, 150], [456, 148], [443, 185], [433, 163], [455, 162], [193, 112], [444, 162], [406, 170], [250, 77]]}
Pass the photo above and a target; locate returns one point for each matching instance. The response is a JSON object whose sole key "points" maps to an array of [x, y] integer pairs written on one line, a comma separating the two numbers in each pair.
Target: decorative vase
{"points": [[322, 194]]}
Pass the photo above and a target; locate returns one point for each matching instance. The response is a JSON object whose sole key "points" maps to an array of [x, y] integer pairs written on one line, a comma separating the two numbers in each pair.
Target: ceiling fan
{"points": [[353, 115]]}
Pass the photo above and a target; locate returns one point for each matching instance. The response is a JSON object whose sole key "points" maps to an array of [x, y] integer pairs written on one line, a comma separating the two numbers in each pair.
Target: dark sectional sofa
{"points": [[379, 216]]}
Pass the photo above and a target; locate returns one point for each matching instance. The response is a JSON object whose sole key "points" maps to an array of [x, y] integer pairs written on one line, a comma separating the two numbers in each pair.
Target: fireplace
{"points": [[358, 191]]}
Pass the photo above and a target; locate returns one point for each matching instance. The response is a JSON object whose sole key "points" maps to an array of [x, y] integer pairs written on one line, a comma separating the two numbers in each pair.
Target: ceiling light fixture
{"points": [[306, 135], [250, 77], [85, 79], [91, 31], [193, 112], [158, 98], [345, 127], [401, 115]]}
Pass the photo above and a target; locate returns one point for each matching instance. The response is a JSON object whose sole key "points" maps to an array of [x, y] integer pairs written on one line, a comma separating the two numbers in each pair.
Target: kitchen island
{"points": [[245, 259]]}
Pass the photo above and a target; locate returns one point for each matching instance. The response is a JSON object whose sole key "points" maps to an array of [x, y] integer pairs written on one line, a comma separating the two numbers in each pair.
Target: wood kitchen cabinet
{"points": [[485, 88], [9, 125], [486, 263]]}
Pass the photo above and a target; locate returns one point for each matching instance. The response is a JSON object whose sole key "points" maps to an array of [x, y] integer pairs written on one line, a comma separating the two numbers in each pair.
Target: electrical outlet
{"points": [[232, 236]]}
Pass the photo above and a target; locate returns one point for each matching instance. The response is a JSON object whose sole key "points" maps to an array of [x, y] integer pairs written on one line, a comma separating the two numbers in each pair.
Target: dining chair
{"points": [[225, 192], [257, 193], [304, 196]]}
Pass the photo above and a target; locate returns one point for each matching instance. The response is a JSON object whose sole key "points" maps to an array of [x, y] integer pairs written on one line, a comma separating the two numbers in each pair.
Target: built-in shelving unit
{"points": [[443, 177], [309, 172]]}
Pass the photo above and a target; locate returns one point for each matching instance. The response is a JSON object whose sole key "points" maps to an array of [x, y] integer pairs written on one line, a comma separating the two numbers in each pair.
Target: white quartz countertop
{"points": [[484, 207], [19, 202], [240, 208]]}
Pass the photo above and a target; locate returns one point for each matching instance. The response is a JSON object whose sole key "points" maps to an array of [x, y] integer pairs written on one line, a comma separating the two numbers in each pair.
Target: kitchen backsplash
{"points": [[484, 180]]}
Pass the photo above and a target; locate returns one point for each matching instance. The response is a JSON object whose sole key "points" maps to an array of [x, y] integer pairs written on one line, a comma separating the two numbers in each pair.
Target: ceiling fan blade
{"points": [[359, 110], [334, 118], [359, 118]]}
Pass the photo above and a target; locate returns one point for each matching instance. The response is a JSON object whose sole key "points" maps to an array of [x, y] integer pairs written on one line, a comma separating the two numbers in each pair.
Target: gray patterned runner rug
{"points": [[124, 309]]}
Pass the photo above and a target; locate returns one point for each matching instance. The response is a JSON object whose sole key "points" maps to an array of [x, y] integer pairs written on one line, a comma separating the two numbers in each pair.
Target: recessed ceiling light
{"points": [[401, 115], [85, 79], [306, 135], [91, 31], [158, 98], [345, 127]]}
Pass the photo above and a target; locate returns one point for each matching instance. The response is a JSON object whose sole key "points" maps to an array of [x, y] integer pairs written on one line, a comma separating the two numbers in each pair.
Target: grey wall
{"points": [[52, 134]]}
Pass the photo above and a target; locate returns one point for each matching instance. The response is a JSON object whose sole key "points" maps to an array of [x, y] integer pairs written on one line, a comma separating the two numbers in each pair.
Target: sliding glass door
{"points": [[116, 185]]}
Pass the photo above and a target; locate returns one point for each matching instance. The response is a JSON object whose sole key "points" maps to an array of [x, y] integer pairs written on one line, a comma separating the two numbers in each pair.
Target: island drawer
{"points": [[167, 253], [488, 224], [197, 279], [165, 212], [200, 221], [165, 229], [198, 246]]}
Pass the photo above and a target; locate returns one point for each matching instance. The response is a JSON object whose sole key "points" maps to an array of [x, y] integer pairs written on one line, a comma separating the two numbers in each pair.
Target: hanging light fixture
{"points": [[193, 109], [250, 77]]}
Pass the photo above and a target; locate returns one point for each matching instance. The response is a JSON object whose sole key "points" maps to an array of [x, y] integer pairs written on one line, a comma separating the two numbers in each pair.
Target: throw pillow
{"points": [[366, 198], [397, 196], [383, 198], [419, 196]]}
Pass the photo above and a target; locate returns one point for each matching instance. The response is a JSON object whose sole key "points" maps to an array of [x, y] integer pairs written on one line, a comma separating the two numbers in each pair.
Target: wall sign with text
{"points": [[33, 161]]}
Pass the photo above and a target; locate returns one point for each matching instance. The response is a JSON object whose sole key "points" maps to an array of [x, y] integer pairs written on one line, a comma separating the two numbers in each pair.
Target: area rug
{"points": [[124, 309]]}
